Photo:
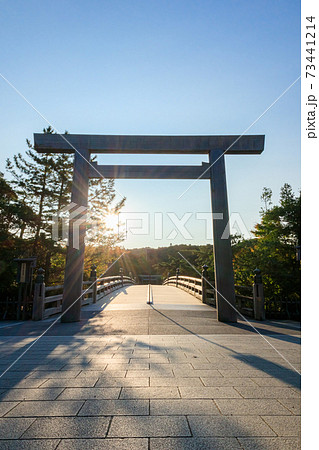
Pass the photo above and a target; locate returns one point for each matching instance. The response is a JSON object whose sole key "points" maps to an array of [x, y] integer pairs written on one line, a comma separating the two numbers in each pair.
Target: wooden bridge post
{"points": [[39, 296], [177, 275], [73, 276], [93, 278], [224, 275], [259, 300], [121, 275], [204, 283]]}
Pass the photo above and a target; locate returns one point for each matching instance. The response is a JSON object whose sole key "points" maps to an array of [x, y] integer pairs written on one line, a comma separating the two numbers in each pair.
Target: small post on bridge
{"points": [[121, 275], [93, 278], [259, 299], [177, 275], [204, 283], [39, 296], [224, 275]]}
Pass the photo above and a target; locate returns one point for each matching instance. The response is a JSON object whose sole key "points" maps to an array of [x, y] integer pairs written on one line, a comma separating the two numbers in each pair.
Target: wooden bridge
{"points": [[47, 300]]}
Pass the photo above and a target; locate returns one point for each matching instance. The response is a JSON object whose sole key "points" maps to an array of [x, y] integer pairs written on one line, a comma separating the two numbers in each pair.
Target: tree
{"points": [[266, 198], [282, 222], [273, 249], [15, 215], [41, 181]]}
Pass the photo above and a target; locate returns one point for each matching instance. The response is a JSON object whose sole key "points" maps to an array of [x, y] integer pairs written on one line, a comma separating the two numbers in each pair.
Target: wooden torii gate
{"points": [[215, 146]]}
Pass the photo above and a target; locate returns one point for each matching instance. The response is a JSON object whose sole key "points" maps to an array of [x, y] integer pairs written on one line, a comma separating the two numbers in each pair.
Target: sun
{"points": [[111, 222]]}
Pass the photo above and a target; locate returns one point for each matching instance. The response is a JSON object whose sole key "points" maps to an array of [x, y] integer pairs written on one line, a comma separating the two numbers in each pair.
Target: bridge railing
{"points": [[48, 299], [249, 299], [245, 300], [194, 286]]}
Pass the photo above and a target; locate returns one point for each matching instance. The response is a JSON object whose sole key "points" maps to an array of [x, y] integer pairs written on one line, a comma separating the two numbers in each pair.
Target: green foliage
{"points": [[266, 198], [43, 183], [273, 250]]}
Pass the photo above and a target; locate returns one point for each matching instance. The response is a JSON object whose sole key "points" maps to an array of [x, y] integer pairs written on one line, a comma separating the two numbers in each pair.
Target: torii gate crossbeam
{"points": [[215, 146]]}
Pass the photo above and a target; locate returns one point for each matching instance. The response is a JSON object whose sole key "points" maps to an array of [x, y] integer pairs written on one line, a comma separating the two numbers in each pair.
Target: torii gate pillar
{"points": [[73, 275], [223, 264]]}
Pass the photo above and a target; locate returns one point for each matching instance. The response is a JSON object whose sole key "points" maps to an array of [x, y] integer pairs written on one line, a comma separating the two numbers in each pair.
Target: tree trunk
{"points": [[41, 204]]}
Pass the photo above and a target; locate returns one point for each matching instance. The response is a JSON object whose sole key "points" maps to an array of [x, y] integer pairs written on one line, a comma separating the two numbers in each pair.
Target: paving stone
{"points": [[88, 367], [54, 374], [39, 367], [13, 375], [208, 392], [121, 382], [227, 382], [21, 384], [170, 366], [270, 443], [267, 392], [149, 373], [29, 444], [159, 359], [116, 359], [293, 404], [89, 393], [68, 427], [13, 428], [221, 359], [194, 373], [129, 366], [228, 426], [114, 408], [284, 425], [31, 394], [176, 381], [245, 373], [150, 392], [193, 443], [100, 374], [253, 407], [104, 444], [6, 406], [275, 382], [70, 382], [149, 426], [213, 366], [45, 408], [183, 407]]}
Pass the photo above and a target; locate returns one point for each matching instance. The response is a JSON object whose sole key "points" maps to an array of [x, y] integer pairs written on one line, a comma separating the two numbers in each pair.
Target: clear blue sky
{"points": [[159, 67]]}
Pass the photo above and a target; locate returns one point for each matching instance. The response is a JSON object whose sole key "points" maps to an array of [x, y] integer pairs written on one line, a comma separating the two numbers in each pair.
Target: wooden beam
{"points": [[151, 172], [66, 143]]}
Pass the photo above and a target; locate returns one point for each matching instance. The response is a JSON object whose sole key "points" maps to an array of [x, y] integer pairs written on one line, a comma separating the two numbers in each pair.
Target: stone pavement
{"points": [[85, 386]]}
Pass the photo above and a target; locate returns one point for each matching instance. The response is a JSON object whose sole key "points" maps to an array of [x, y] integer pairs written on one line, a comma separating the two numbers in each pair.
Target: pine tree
{"points": [[32, 179], [43, 182], [15, 215]]}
